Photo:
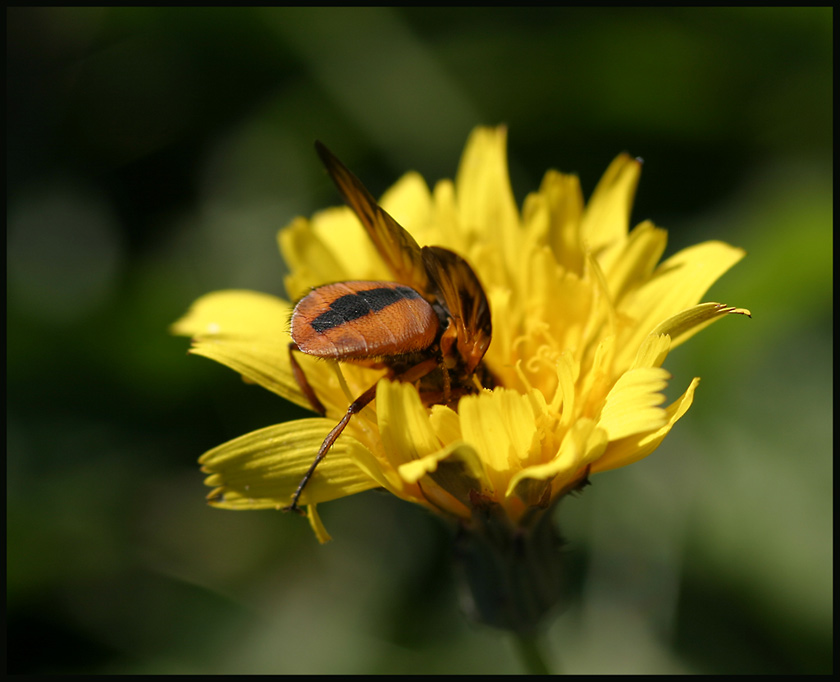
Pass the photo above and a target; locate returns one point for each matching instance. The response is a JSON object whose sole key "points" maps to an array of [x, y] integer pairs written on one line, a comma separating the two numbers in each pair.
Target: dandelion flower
{"points": [[583, 317]]}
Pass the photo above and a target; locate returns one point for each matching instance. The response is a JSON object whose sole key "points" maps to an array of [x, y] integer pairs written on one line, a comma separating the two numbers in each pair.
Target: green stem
{"points": [[530, 655]]}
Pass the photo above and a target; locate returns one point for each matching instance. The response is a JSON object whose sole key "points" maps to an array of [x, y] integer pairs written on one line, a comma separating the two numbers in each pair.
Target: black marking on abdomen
{"points": [[353, 306]]}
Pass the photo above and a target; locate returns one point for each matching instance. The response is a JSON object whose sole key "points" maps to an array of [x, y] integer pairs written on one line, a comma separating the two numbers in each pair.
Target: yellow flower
{"points": [[583, 317]]}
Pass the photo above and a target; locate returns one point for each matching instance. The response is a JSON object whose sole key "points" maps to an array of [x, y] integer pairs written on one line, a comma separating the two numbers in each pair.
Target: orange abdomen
{"points": [[363, 320]]}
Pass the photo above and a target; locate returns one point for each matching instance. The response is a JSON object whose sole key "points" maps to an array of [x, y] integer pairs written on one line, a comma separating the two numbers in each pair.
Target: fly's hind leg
{"points": [[410, 375], [356, 406]]}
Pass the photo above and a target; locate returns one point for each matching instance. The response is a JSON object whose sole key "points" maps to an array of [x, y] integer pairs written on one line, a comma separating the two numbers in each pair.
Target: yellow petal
{"points": [[637, 259], [559, 300], [446, 423], [678, 284], [604, 312], [501, 425], [262, 469], [263, 364], [248, 332], [653, 351], [536, 219], [445, 225], [632, 449], [471, 463], [567, 374], [409, 202], [456, 469], [316, 524], [632, 405], [606, 219], [485, 197], [582, 443], [504, 325], [310, 258], [597, 381], [406, 435], [236, 313], [565, 206], [413, 448], [404, 424], [687, 323]]}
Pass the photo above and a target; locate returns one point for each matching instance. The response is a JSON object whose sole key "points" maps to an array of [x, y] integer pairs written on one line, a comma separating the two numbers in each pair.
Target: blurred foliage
{"points": [[152, 154]]}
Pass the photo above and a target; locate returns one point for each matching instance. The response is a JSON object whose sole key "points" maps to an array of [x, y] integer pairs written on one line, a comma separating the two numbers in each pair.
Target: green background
{"points": [[152, 154]]}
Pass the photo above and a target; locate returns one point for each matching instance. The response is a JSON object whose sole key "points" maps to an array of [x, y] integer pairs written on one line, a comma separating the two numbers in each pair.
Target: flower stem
{"points": [[530, 654]]}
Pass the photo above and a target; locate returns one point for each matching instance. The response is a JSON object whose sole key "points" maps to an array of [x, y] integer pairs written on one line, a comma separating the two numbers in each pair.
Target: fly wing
{"points": [[396, 246], [457, 288]]}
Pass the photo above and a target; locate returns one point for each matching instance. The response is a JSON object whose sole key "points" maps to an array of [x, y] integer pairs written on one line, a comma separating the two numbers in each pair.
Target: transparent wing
{"points": [[396, 246], [457, 288]]}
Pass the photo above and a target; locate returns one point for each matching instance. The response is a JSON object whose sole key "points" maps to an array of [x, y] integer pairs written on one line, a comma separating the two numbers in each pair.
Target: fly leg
{"points": [[410, 375], [356, 406], [303, 382]]}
